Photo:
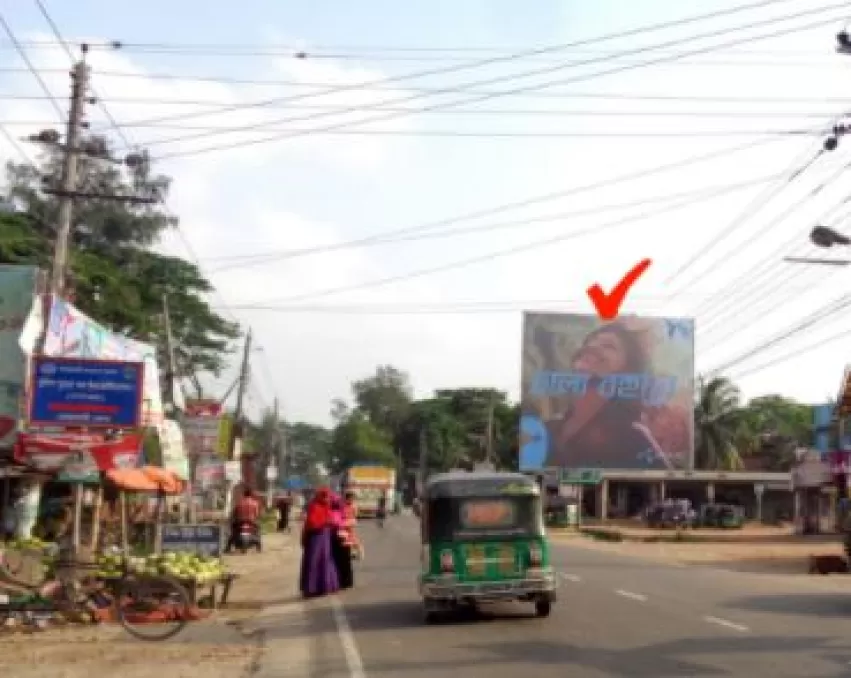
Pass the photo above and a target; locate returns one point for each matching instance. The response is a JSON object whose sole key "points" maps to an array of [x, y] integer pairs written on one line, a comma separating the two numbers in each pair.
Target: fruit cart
{"points": [[189, 553]]}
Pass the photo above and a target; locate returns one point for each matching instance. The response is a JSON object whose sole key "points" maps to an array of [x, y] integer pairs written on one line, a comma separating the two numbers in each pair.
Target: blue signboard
{"points": [[87, 393], [202, 540]]}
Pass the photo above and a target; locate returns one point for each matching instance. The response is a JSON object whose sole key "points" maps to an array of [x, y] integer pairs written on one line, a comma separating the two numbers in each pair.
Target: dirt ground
{"points": [[214, 648], [752, 549]]}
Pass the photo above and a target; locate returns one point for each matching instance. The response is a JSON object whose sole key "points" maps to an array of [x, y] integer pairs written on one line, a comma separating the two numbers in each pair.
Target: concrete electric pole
{"points": [[79, 83], [240, 395]]}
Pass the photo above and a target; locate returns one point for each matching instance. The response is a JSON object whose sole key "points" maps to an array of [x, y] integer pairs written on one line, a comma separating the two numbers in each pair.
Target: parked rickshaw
{"points": [[483, 540], [726, 516]]}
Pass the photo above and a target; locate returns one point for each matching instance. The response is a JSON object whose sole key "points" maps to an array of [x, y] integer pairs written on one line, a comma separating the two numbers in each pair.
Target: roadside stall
{"points": [[191, 554]]}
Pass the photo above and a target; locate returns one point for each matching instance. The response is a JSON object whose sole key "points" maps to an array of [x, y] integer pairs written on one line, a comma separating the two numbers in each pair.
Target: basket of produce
{"points": [[185, 566]]}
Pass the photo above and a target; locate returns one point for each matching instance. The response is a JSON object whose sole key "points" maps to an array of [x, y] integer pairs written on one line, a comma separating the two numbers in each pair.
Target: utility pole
{"points": [[283, 446], [169, 349], [240, 395], [273, 460], [489, 433], [79, 83], [422, 471]]}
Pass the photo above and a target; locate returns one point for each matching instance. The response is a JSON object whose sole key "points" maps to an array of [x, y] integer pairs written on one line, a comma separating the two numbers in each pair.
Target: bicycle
{"points": [[148, 607]]}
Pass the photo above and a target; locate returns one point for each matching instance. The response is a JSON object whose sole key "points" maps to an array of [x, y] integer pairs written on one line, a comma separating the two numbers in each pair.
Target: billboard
{"points": [[72, 334], [84, 392], [606, 395]]}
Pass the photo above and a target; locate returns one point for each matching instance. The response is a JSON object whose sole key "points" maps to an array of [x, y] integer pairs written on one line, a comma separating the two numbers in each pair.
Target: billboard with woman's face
{"points": [[607, 395]]}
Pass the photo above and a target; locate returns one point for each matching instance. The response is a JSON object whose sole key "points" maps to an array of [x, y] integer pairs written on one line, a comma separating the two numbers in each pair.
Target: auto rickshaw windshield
{"points": [[498, 517]]}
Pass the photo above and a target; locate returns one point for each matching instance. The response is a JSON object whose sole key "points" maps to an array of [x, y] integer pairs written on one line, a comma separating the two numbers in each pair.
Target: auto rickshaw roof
{"points": [[480, 483]]}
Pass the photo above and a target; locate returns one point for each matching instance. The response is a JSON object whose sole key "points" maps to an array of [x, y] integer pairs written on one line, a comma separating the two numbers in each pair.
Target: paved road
{"points": [[616, 616]]}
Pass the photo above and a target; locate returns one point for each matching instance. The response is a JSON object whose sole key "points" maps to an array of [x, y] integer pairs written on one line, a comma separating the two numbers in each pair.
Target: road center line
{"points": [[347, 640], [632, 596], [727, 624], [571, 577]]}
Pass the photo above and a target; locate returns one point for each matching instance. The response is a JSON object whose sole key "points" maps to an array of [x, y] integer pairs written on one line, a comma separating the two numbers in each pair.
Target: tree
{"points": [[507, 435], [384, 397], [305, 446], [431, 422], [716, 424], [308, 449], [20, 243], [477, 409], [778, 426], [359, 440], [263, 439], [115, 275]]}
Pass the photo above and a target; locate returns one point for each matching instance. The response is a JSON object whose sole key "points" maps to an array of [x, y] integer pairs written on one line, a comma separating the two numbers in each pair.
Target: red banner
{"points": [[203, 408], [48, 452]]}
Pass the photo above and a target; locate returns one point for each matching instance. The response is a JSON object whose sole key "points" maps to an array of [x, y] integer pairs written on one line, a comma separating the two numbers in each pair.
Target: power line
{"points": [[55, 29], [765, 307], [539, 199], [493, 255], [32, 69], [460, 89], [243, 260], [18, 148], [463, 134], [824, 312], [100, 103], [758, 203], [284, 49], [420, 308], [464, 112], [734, 291], [481, 63], [793, 354], [526, 134], [494, 80]]}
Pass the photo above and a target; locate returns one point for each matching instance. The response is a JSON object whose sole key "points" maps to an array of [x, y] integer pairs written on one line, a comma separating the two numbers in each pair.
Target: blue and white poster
{"points": [[607, 395], [72, 392]]}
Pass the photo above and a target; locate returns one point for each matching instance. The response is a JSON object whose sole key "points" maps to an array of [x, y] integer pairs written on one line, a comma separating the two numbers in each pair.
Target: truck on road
{"points": [[369, 483]]}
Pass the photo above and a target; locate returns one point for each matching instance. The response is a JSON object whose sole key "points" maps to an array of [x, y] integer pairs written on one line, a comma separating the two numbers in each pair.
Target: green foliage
{"points": [[456, 427], [384, 398], [716, 423], [115, 275], [357, 439]]}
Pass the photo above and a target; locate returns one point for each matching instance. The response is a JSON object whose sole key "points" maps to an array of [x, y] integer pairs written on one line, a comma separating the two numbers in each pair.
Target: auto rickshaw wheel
{"points": [[543, 608]]}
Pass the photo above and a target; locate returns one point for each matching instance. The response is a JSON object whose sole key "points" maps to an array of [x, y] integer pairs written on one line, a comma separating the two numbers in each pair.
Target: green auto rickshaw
{"points": [[483, 540]]}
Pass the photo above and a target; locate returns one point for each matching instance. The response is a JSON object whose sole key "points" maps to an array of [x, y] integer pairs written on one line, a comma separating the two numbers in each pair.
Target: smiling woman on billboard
{"points": [[606, 395]]}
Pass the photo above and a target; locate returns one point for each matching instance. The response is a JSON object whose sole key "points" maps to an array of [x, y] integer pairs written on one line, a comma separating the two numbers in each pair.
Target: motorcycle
{"points": [[247, 536]]}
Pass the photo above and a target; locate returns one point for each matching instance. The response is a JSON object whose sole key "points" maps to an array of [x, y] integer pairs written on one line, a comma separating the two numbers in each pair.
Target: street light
{"points": [[824, 237]]}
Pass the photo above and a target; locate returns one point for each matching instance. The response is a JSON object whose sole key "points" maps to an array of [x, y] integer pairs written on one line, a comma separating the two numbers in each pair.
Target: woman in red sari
{"points": [[318, 575]]}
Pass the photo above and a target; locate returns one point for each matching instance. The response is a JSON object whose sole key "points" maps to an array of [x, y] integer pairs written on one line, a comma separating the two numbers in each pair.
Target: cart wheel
{"points": [[152, 608], [543, 608]]}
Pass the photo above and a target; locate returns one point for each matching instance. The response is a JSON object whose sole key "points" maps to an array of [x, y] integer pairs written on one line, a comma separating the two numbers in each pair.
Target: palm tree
{"points": [[717, 424]]}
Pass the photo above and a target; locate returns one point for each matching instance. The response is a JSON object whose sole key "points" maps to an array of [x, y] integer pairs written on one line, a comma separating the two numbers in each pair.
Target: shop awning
{"points": [[146, 479]]}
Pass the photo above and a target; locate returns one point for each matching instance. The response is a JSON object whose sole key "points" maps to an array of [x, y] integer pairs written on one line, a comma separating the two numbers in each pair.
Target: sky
{"points": [[293, 129]]}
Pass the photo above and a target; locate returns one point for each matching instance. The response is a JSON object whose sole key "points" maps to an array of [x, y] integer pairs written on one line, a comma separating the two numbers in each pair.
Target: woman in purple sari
{"points": [[318, 575]]}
